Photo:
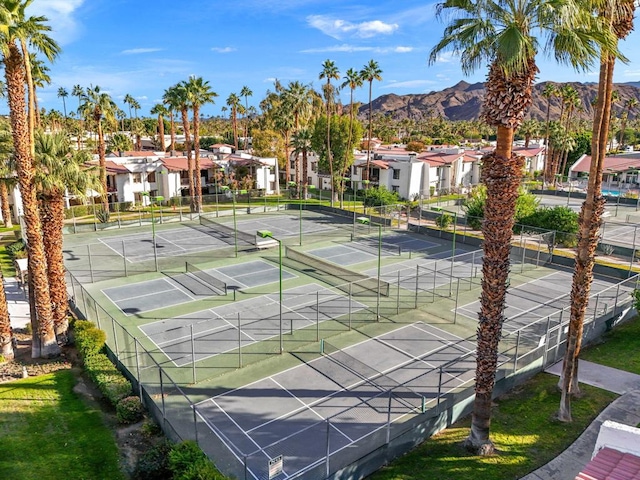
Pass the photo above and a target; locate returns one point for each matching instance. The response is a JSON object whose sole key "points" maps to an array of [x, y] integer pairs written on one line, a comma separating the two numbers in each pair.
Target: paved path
{"points": [[17, 302], [624, 410]]}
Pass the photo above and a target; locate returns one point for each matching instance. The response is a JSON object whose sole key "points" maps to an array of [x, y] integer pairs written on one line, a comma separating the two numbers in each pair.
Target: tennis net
{"points": [[226, 233], [372, 244], [206, 278]]}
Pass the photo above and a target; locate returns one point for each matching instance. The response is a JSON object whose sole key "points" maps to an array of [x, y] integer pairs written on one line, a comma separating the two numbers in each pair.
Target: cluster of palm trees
{"points": [[506, 35]]}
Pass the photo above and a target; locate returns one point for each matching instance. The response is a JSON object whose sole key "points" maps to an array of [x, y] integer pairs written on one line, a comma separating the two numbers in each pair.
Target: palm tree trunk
{"points": [[31, 105], [305, 174], [196, 148], [590, 215], [102, 149], [4, 200], [45, 344], [161, 132], [52, 212], [365, 174], [6, 336], [172, 147], [235, 127], [187, 146], [501, 173]]}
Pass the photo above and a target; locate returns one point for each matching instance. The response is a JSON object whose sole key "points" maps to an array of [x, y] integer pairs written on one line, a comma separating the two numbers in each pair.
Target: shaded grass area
{"points": [[48, 433], [7, 236], [619, 348], [523, 428]]}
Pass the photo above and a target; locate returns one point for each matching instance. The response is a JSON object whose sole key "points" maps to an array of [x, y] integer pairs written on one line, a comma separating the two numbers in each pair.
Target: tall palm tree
{"points": [[169, 100], [128, 100], [77, 91], [618, 17], [160, 110], [63, 94], [59, 169], [301, 144], [233, 101], [353, 80], [198, 93], [246, 93], [298, 98], [630, 104], [503, 34], [370, 72], [40, 77], [11, 33], [330, 72], [176, 97], [99, 106], [7, 179]]}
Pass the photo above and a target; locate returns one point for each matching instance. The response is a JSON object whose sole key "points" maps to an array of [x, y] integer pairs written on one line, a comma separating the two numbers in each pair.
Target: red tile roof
{"points": [[114, 168], [616, 164], [610, 464], [528, 152], [436, 159], [178, 164]]}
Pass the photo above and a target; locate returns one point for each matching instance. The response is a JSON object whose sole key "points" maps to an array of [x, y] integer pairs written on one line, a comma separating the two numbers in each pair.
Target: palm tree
{"points": [[630, 104], [330, 72], [502, 34], [353, 80], [12, 30], [7, 179], [160, 110], [59, 169], [246, 93], [63, 94], [370, 72], [198, 93], [128, 100], [618, 16], [301, 143], [233, 101], [98, 106], [176, 97], [41, 78], [169, 101]]}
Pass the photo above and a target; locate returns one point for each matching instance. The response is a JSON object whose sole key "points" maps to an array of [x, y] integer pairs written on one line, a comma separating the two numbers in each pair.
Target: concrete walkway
{"points": [[17, 302], [625, 410]]}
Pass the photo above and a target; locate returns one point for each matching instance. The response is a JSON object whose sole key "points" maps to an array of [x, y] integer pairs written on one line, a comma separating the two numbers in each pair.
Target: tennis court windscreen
{"points": [[207, 278], [227, 230]]}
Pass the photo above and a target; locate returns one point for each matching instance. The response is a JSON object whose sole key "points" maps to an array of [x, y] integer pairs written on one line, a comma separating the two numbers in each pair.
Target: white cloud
{"points": [[409, 84], [445, 57], [223, 49], [346, 48], [142, 97], [60, 14], [337, 28], [137, 51]]}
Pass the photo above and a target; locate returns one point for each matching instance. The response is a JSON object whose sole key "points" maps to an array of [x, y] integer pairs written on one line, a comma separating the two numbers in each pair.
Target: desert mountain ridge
{"points": [[463, 101]]}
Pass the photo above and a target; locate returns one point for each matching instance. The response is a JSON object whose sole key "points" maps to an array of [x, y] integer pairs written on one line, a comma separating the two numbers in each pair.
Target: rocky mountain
{"points": [[463, 102]]}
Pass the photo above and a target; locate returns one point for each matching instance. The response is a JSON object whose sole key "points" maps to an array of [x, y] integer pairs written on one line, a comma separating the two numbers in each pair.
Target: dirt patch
{"points": [[132, 440]]}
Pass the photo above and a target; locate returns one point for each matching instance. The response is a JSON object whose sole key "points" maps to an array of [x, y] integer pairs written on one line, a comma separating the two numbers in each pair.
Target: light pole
{"points": [[366, 221], [268, 234]]}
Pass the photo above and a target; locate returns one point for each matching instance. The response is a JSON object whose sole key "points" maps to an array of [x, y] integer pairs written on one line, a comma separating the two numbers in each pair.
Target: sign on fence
{"points": [[275, 466]]}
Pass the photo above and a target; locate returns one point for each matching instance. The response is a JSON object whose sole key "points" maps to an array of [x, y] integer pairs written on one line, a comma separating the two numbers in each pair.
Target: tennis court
{"points": [[327, 406], [182, 287], [534, 300], [232, 326]]}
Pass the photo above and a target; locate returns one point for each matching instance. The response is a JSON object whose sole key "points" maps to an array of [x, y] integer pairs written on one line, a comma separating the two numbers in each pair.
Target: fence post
{"points": [[90, 262], [193, 353], [124, 259], [455, 310], [195, 420], [350, 285], [328, 447], [515, 358], [317, 317], [595, 310], [398, 295], [135, 349], [435, 274], [155, 255], [239, 342], [113, 325], [615, 305], [162, 394], [417, 284], [389, 417]]}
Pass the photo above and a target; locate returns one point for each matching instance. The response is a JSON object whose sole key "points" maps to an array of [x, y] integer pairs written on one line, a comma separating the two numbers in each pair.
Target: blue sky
{"points": [[141, 47]]}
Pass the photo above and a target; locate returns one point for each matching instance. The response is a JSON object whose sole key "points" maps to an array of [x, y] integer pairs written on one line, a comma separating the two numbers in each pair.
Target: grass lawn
{"points": [[619, 348], [522, 428], [6, 262], [48, 433]]}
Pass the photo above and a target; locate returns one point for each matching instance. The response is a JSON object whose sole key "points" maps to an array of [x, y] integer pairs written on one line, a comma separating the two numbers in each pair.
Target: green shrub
{"points": [[474, 207], [187, 462], [107, 378], [379, 196], [560, 218], [129, 410], [89, 341], [154, 463], [444, 221], [103, 215], [17, 249], [150, 429], [636, 299]]}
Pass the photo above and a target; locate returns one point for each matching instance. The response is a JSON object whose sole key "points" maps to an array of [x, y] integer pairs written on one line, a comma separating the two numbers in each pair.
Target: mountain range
{"points": [[463, 101]]}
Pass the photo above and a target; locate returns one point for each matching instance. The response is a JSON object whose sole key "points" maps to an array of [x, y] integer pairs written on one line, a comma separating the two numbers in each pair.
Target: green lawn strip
{"points": [[47, 432], [522, 427], [619, 348], [7, 236]]}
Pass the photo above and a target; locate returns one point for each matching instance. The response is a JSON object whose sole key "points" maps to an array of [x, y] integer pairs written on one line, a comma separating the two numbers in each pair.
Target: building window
{"points": [[292, 164], [151, 177], [396, 174], [292, 177], [395, 188], [137, 178], [314, 167], [309, 181]]}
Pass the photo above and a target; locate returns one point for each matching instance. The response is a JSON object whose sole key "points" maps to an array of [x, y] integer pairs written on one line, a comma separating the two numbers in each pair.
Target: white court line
{"points": [[176, 340]]}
